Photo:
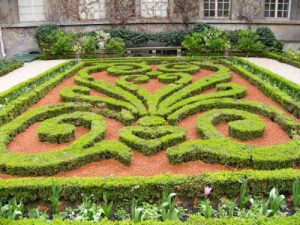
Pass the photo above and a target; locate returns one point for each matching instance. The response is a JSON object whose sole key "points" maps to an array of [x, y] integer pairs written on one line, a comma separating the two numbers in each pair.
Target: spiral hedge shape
{"points": [[178, 67], [123, 69], [90, 147]]}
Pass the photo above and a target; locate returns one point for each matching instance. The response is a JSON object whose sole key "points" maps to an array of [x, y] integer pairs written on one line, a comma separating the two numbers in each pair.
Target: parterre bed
{"points": [[147, 117]]}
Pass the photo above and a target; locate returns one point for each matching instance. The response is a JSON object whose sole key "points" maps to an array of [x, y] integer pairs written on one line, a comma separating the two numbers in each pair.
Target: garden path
{"points": [[285, 70], [29, 70]]}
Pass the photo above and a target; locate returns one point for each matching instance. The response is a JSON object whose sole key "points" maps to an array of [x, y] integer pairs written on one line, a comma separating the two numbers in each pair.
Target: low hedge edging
{"points": [[11, 67], [193, 220], [123, 189], [281, 90], [281, 58]]}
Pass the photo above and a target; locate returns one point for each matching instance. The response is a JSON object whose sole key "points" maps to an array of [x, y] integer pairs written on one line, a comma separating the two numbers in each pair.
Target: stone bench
{"points": [[154, 50]]}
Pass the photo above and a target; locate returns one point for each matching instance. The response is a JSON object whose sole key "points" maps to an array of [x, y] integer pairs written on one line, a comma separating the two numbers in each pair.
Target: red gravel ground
{"points": [[27, 142]]}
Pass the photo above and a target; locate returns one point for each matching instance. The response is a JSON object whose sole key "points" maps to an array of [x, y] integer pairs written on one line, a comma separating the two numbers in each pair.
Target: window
{"points": [[216, 8], [277, 8], [32, 10], [92, 9], [154, 8]]}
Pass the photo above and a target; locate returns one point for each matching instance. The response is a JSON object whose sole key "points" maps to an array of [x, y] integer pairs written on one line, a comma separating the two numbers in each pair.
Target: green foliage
{"points": [[89, 44], [210, 40], [168, 37], [107, 206], [55, 199], [276, 202], [244, 193], [8, 65], [268, 39], [130, 36], [205, 209], [42, 35], [37, 214], [88, 210], [281, 90], [14, 210], [296, 194], [169, 209], [249, 41], [116, 46], [59, 42]]}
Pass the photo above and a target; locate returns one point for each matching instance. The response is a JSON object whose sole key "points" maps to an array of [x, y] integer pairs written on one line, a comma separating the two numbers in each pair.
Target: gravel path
{"points": [[26, 72], [289, 72]]}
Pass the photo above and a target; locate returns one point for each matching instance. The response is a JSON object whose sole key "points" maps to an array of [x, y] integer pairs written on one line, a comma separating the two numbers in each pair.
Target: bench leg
{"points": [[178, 52]]}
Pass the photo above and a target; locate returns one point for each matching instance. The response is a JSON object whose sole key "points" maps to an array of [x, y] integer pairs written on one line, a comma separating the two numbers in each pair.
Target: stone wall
{"points": [[19, 37]]}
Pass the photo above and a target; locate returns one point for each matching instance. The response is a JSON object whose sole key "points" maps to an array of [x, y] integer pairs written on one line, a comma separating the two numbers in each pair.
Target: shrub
{"points": [[42, 34], [130, 36], [249, 41], [268, 38], [89, 44], [115, 45], [59, 42], [211, 39]]}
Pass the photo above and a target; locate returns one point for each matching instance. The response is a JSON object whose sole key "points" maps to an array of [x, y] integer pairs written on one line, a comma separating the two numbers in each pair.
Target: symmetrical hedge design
{"points": [[151, 119]]}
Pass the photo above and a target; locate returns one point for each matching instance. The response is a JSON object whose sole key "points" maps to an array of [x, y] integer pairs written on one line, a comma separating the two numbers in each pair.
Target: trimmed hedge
{"points": [[178, 68], [122, 190], [282, 58], [193, 220], [218, 149], [281, 90], [19, 98], [7, 66], [242, 125], [88, 148], [150, 140]]}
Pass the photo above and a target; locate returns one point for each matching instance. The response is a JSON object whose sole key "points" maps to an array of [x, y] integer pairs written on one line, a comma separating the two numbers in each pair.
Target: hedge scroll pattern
{"points": [[151, 120]]}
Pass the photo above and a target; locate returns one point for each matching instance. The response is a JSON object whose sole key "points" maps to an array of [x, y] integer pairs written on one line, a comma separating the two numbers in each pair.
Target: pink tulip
{"points": [[207, 191]]}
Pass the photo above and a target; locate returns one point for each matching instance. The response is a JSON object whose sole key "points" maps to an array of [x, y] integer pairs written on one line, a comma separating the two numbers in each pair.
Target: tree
{"points": [[187, 10], [120, 12], [248, 10]]}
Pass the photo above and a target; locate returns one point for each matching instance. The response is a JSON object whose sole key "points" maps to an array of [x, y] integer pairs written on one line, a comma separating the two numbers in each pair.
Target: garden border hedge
{"points": [[123, 189], [11, 67], [192, 220]]}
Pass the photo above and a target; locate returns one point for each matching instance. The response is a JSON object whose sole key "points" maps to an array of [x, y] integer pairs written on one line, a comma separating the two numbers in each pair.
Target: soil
{"points": [[28, 142]]}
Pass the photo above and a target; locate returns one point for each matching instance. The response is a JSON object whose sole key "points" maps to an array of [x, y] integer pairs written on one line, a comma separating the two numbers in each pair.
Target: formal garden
{"points": [[206, 138]]}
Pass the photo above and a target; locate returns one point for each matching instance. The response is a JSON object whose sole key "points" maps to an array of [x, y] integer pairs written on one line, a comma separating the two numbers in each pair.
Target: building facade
{"points": [[19, 18]]}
